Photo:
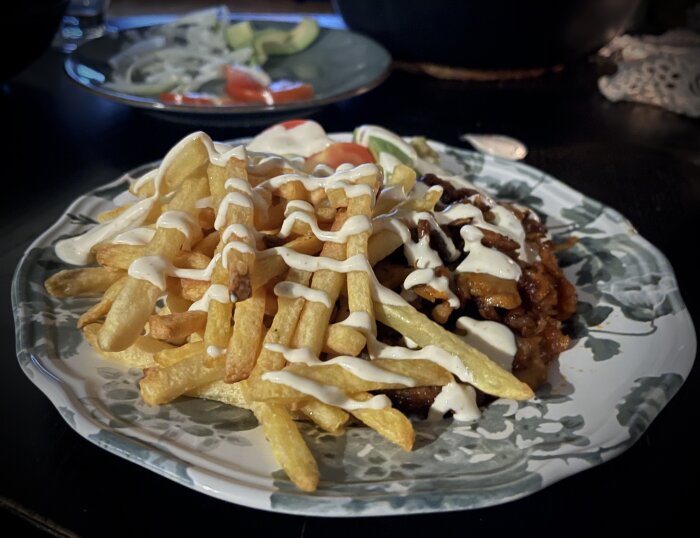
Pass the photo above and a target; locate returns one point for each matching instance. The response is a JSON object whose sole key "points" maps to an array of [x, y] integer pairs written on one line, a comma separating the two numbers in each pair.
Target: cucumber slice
{"points": [[240, 35], [379, 140], [265, 41], [273, 42], [303, 35]]}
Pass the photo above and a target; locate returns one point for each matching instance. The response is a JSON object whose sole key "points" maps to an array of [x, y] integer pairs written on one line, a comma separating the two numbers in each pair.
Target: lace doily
{"points": [[657, 70]]}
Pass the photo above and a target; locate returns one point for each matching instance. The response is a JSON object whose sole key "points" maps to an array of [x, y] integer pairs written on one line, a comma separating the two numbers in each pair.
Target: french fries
{"points": [[78, 282], [230, 301], [176, 326], [485, 374], [136, 300], [141, 354]]}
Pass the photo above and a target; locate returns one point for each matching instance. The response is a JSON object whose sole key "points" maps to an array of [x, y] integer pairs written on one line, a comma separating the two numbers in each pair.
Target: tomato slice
{"points": [[290, 124], [243, 88], [189, 98], [342, 152], [287, 91]]}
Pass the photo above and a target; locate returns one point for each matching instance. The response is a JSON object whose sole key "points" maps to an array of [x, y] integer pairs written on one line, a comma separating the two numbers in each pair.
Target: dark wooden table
{"points": [[62, 141]]}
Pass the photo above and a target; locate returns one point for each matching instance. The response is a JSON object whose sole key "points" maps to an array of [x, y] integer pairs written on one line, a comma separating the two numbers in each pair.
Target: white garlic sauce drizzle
{"points": [[215, 292], [155, 269], [294, 290], [362, 368], [327, 394], [76, 250]]}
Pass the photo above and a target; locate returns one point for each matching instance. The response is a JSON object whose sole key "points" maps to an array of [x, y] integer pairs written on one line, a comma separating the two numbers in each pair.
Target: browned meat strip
{"points": [[490, 290]]}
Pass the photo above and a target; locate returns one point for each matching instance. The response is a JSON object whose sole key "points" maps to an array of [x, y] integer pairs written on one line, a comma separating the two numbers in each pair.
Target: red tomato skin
{"points": [[286, 91], [340, 153], [243, 88], [291, 124]]}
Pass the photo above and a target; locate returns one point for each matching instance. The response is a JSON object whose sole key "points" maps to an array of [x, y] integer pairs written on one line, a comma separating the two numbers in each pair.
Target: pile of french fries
{"points": [[223, 353]]}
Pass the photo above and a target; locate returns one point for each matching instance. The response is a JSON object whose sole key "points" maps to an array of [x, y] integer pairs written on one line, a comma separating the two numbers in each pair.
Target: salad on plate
{"points": [[203, 58]]}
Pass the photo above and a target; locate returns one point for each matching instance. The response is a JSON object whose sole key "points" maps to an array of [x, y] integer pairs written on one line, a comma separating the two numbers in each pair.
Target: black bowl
{"points": [[489, 34], [37, 22]]}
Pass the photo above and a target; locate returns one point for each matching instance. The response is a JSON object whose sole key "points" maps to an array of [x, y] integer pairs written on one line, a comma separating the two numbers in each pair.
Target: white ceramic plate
{"points": [[340, 64], [635, 344]]}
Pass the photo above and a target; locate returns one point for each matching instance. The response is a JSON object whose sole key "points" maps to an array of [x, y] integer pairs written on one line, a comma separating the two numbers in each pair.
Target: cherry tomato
{"points": [[189, 98], [290, 124], [286, 91], [245, 89], [342, 152]]}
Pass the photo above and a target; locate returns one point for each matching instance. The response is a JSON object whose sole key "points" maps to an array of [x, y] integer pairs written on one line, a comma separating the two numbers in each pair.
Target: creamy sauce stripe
{"points": [[327, 394], [309, 137], [215, 292], [361, 368], [295, 290]]}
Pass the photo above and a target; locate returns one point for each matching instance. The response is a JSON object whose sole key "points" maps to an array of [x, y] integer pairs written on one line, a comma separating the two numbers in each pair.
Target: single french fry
{"points": [[176, 326], [186, 159], [137, 298], [189, 159], [228, 393], [244, 345], [162, 385], [359, 284], [170, 356], [327, 417], [343, 340], [325, 214], [403, 175], [288, 446], [173, 300], [423, 372], [191, 290], [293, 190], [207, 245], [83, 281], [99, 310], [485, 374], [389, 423], [237, 264], [382, 244], [117, 256], [121, 256], [318, 196], [139, 355]]}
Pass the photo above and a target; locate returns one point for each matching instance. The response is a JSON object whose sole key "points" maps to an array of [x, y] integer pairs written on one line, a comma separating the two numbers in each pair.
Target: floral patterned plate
{"points": [[634, 346]]}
